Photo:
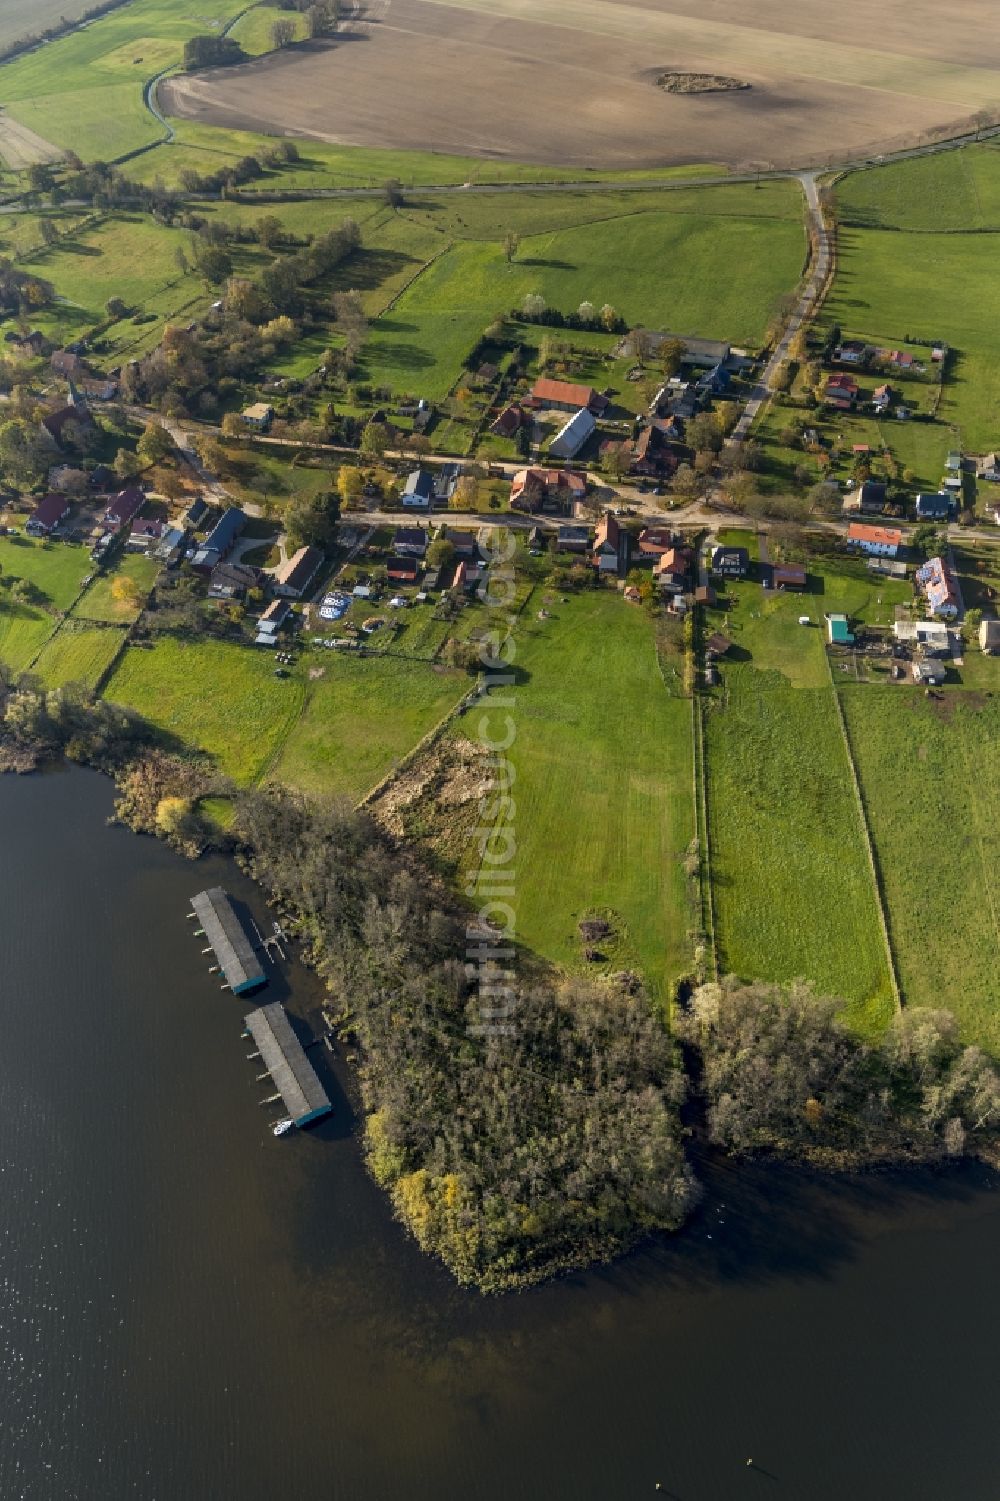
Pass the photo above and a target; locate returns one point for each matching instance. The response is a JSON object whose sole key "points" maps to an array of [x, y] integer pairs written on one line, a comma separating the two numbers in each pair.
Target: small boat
{"points": [[281, 1127]]}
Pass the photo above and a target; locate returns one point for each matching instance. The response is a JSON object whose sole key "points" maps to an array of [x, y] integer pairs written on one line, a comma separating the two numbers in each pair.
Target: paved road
{"points": [[809, 300]]}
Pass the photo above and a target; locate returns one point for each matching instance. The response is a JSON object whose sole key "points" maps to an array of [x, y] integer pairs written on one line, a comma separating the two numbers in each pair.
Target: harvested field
{"points": [[21, 147], [574, 82]]}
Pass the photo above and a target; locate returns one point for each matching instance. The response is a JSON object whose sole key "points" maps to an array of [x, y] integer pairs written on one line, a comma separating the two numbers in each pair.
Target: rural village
{"points": [[309, 449]]}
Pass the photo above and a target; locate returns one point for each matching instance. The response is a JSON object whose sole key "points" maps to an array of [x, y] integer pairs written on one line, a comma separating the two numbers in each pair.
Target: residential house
{"points": [[989, 636], [841, 391], [988, 468], [852, 352], [233, 581], [611, 546], [868, 499], [463, 542], [838, 631], [717, 645], [271, 621], [99, 388], [47, 515], [731, 562], [672, 570], [930, 673], [940, 588], [144, 535], [124, 508], [409, 542], [937, 507], [788, 576], [220, 541], [562, 396], [446, 481], [195, 514], [510, 421], [549, 490], [573, 539], [654, 541], [882, 541], [573, 435], [403, 570], [54, 425], [66, 363], [102, 479], [258, 417], [297, 572], [882, 399], [929, 636], [418, 492], [953, 462]]}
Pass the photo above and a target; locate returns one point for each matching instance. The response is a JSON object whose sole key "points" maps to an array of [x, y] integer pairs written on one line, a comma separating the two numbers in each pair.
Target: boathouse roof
{"points": [[229, 940], [304, 1096]]}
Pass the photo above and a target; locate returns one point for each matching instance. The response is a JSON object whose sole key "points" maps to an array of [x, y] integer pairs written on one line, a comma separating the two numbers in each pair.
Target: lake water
{"points": [[191, 1309]]}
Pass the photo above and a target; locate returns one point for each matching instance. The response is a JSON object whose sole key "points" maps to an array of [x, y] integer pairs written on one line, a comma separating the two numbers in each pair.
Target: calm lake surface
{"points": [[191, 1309]]}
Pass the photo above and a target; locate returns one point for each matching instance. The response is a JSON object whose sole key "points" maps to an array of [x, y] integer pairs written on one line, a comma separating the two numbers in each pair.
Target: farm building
{"points": [[47, 515], [258, 417], [296, 573], [418, 492], [788, 576], [940, 588], [731, 562], [220, 540], [230, 944], [573, 435], [703, 353], [563, 396], [283, 1056], [936, 507], [989, 636], [881, 541], [838, 631]]}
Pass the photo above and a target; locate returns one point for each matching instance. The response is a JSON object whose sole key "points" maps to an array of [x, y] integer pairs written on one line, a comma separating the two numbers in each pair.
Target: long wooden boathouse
{"points": [[304, 1097], [229, 940]]}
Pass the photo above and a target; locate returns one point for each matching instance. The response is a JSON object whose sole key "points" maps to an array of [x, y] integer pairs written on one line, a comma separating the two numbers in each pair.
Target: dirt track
{"points": [[572, 82]]}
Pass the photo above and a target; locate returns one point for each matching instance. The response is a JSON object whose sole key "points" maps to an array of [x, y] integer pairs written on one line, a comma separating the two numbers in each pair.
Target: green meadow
{"points": [[956, 190], [360, 718], [78, 654], [99, 602], [215, 697], [604, 787], [930, 770], [792, 885]]}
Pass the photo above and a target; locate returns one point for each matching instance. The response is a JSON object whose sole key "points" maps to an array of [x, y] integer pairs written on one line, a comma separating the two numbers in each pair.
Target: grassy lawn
{"points": [[793, 889], [360, 718], [214, 696], [99, 602], [930, 771], [23, 632], [54, 568], [604, 787], [693, 273], [78, 655], [930, 286]]}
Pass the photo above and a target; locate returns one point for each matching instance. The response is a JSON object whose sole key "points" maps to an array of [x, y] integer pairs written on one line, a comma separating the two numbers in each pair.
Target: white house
{"points": [[418, 492], [877, 541]]}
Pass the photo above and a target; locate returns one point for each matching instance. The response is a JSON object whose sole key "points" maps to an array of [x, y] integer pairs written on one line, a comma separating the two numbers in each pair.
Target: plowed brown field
{"points": [[573, 82]]}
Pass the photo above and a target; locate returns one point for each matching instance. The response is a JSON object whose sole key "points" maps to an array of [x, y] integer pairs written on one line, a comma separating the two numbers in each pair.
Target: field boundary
{"points": [[701, 829], [425, 743], [869, 842]]}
